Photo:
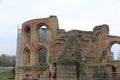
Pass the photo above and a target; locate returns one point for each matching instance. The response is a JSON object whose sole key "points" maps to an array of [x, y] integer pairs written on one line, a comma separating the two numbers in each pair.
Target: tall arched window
{"points": [[115, 51], [26, 56], [27, 34], [43, 34], [42, 55]]}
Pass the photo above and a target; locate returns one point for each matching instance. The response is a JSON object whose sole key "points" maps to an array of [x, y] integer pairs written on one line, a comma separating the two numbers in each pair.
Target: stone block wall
{"points": [[58, 46]]}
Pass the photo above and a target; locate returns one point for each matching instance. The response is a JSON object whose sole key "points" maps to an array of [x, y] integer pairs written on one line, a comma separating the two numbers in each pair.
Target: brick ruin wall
{"points": [[75, 47]]}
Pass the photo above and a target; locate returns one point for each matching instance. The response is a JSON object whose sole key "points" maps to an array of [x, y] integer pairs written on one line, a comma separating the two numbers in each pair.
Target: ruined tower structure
{"points": [[48, 52]]}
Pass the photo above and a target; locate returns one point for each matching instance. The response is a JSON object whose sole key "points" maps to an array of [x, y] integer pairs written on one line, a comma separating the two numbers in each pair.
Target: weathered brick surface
{"points": [[75, 45]]}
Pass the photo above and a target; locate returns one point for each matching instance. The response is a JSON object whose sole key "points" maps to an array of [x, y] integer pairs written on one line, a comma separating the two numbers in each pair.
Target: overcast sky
{"points": [[72, 14]]}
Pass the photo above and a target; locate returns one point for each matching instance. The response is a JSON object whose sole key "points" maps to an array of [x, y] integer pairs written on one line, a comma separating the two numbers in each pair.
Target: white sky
{"points": [[72, 14]]}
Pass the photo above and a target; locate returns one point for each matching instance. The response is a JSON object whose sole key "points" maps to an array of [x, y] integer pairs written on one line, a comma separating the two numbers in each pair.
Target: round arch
{"points": [[114, 48], [26, 56], [39, 47], [112, 43], [41, 54], [27, 28], [58, 48], [27, 33], [25, 49], [44, 32], [42, 24]]}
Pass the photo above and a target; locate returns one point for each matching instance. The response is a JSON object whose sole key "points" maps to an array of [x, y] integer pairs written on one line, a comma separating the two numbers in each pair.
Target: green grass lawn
{"points": [[5, 75]]}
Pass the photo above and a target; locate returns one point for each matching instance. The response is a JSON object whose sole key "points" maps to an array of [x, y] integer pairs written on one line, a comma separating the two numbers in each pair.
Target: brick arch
{"points": [[59, 46], [60, 41], [26, 27], [38, 54], [42, 24], [47, 32], [39, 47], [26, 56], [109, 44], [112, 43], [25, 48], [36, 23], [58, 50], [27, 33]]}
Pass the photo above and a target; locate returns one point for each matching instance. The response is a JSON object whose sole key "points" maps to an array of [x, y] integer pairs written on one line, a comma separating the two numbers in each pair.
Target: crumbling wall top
{"points": [[101, 27], [101, 30]]}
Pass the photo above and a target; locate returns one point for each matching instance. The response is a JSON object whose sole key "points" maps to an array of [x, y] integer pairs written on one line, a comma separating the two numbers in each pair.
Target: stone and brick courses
{"points": [[76, 45]]}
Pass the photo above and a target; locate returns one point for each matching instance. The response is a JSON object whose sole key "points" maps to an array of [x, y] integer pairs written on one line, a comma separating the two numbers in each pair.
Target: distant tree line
{"points": [[7, 60]]}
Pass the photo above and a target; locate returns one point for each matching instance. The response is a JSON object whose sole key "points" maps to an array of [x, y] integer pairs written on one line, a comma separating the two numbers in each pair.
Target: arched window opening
{"points": [[115, 52], [27, 56], [28, 34], [42, 55], [43, 34], [58, 49]]}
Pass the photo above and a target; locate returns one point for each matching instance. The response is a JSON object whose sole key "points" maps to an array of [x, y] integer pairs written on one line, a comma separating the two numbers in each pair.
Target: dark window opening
{"points": [[28, 34], [27, 57], [42, 55], [38, 75], [113, 69], [43, 34]]}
